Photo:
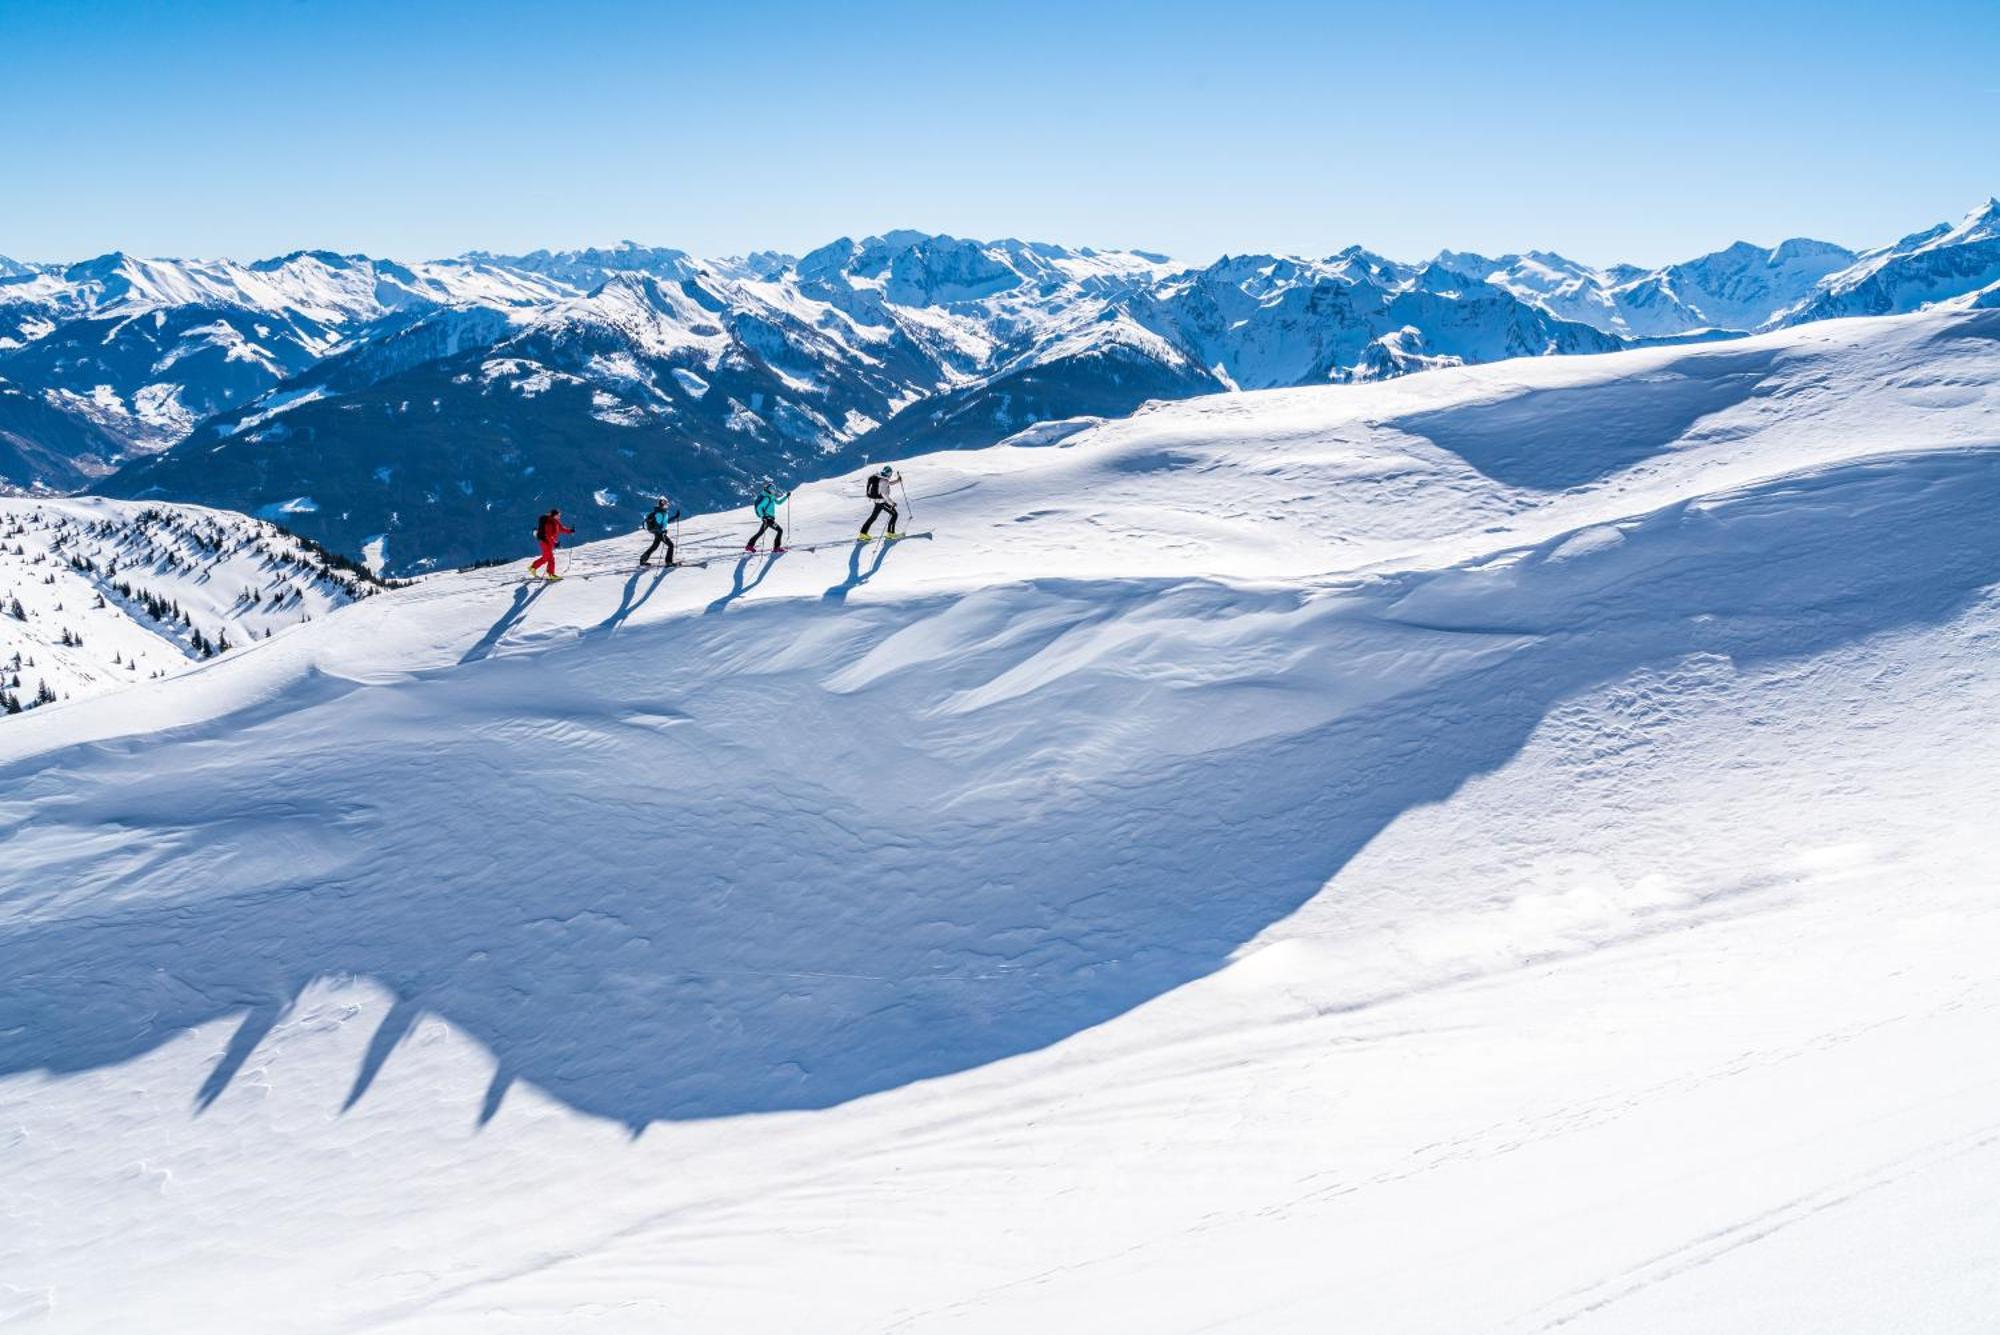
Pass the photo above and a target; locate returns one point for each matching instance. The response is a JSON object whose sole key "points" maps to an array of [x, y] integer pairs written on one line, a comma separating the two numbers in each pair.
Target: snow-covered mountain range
{"points": [[1501, 850], [1742, 287], [426, 409], [144, 349]]}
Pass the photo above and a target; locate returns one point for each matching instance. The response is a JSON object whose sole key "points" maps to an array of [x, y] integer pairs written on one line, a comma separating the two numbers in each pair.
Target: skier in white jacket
{"points": [[881, 490]]}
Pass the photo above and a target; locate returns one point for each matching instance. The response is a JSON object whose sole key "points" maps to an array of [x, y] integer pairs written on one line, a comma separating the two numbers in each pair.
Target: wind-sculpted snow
{"points": [[796, 853], [1555, 439], [1457, 821]]}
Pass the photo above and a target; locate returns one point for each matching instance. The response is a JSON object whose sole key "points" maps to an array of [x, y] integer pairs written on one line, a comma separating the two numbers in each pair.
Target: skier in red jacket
{"points": [[548, 531]]}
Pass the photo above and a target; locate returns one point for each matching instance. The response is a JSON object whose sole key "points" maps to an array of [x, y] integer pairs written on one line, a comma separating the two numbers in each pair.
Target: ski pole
{"points": [[906, 501]]}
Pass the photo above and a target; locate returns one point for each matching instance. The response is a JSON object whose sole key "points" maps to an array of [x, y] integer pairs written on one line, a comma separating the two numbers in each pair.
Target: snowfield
{"points": [[1503, 849]]}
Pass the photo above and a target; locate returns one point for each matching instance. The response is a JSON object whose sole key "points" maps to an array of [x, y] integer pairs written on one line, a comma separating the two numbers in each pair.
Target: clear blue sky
{"points": [[1609, 131]]}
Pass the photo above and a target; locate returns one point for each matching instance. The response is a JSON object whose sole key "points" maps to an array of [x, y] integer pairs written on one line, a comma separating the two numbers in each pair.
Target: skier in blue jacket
{"points": [[766, 509]]}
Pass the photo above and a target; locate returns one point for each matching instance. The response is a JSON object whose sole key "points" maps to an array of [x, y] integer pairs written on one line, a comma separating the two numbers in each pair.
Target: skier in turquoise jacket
{"points": [[766, 509], [658, 522]]}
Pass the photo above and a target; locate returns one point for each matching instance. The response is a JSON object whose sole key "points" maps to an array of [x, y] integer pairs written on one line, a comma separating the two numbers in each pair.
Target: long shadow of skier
{"points": [[856, 577], [738, 588], [524, 598], [1044, 890], [627, 604]]}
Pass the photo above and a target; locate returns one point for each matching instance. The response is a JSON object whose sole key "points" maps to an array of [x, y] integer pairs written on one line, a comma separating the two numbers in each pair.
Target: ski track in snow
{"points": [[1319, 857]]}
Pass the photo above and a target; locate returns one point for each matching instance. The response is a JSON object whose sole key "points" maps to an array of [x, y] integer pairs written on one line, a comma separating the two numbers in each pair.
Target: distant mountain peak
{"points": [[331, 259], [97, 266], [1437, 274], [589, 267], [1980, 223], [1804, 247]]}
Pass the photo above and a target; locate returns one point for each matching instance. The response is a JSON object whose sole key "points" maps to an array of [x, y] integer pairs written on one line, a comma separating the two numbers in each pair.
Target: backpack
{"points": [[656, 522], [878, 487], [542, 529]]}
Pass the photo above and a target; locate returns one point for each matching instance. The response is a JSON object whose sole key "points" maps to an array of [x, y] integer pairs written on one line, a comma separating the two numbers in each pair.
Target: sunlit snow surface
{"points": [[1504, 849]]}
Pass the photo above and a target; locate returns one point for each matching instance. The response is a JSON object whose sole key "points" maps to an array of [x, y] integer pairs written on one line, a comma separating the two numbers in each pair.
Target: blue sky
{"points": [[1607, 131]]}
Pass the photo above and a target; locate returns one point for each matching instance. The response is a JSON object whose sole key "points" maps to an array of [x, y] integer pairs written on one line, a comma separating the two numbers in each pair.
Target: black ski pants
{"points": [[660, 540], [881, 508]]}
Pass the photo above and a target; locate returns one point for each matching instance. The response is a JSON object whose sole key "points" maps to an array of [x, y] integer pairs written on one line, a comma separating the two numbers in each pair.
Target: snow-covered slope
{"points": [[1492, 850], [96, 594]]}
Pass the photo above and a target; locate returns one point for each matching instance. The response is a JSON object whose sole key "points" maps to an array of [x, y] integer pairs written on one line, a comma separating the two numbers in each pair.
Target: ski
{"points": [[603, 572]]}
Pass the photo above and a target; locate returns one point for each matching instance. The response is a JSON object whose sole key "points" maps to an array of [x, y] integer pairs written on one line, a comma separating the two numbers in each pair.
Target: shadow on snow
{"points": [[1554, 439], [821, 851]]}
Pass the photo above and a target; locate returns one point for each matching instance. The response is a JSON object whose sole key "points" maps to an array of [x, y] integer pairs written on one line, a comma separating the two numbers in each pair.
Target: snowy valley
{"points": [[1498, 849]]}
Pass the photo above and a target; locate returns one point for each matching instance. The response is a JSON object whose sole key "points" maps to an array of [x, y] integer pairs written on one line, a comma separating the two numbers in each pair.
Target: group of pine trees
{"points": [[10, 687], [117, 550]]}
